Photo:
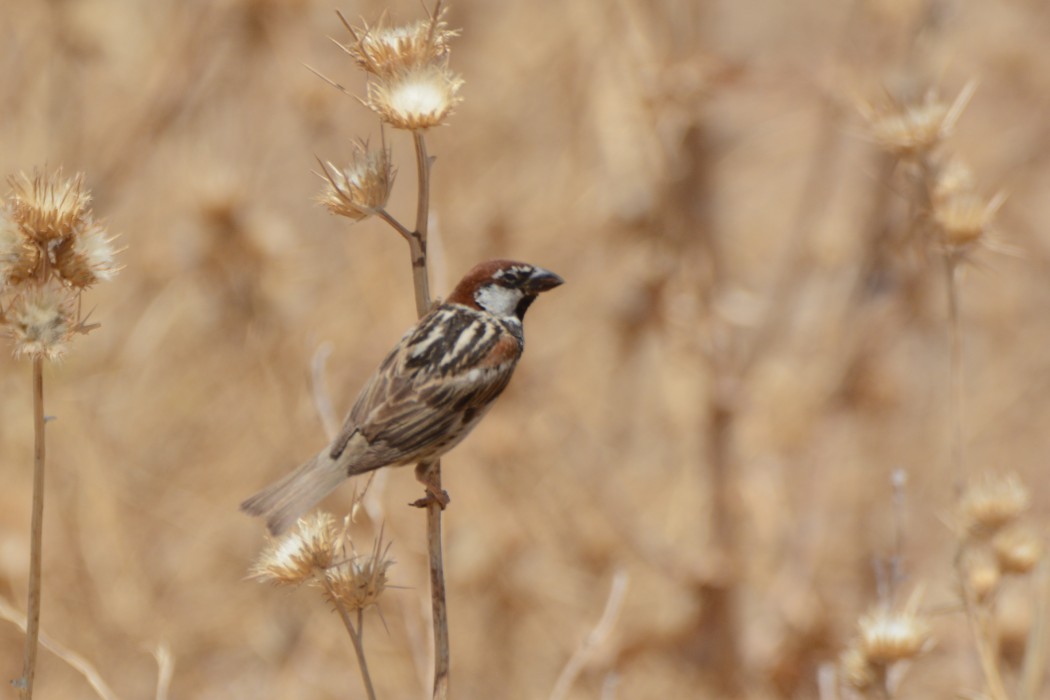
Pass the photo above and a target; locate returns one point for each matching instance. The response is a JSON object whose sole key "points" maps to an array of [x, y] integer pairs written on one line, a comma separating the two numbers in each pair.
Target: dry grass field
{"points": [[754, 337]]}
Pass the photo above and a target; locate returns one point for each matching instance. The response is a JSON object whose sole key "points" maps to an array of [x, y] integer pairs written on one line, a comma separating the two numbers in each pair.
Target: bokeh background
{"points": [[709, 411]]}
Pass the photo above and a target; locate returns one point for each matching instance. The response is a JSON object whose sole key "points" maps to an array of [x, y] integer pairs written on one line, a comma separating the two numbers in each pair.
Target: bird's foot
{"points": [[430, 477]]}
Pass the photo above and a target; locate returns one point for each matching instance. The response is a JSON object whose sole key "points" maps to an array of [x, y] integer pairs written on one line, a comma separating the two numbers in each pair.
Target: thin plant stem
{"points": [[437, 593], [36, 533], [417, 241], [951, 264], [417, 248], [356, 636], [586, 649], [75, 661], [417, 244], [981, 638]]}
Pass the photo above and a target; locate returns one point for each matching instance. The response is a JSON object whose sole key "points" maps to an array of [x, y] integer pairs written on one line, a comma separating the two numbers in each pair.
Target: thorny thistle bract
{"points": [[320, 553], [383, 50], [361, 188]]}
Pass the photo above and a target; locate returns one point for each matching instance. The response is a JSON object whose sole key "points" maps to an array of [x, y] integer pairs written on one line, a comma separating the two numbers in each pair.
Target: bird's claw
{"points": [[428, 475], [439, 497]]}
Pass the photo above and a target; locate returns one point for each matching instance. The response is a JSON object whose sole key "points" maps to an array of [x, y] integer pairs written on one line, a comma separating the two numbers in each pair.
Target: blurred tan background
{"points": [[712, 404]]}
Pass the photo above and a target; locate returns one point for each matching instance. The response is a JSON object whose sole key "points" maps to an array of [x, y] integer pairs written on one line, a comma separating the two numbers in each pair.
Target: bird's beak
{"points": [[541, 280]]}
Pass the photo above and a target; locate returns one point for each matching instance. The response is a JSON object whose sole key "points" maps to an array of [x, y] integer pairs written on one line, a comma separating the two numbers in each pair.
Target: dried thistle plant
{"points": [[321, 554], [411, 87], [410, 84], [996, 545], [913, 130], [51, 250], [886, 640]]}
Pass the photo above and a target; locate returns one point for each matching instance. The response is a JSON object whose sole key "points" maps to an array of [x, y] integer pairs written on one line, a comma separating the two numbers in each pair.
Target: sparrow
{"points": [[428, 394]]}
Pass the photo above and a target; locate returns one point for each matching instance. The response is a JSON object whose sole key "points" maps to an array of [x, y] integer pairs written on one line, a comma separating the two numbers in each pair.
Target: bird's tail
{"points": [[285, 501]]}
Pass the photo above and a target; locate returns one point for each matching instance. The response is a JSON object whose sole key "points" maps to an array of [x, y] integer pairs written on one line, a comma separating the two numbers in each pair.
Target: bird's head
{"points": [[504, 288]]}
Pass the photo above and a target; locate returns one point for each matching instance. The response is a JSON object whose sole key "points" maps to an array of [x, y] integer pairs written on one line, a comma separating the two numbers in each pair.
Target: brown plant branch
{"points": [[356, 635], [417, 245], [73, 659], [951, 267], [36, 534]]}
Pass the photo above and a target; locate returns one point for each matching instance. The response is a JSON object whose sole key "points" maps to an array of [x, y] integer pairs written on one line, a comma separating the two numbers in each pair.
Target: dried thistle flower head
{"points": [[991, 501], [963, 217], [42, 319], [910, 131], [87, 257], [982, 573], [361, 188], [18, 257], [1018, 549], [48, 208], [855, 670], [417, 98], [301, 555], [888, 636], [383, 50], [358, 581]]}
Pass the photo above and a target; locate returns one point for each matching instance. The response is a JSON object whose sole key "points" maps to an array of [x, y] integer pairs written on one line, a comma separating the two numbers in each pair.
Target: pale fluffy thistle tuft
{"points": [[361, 188], [301, 555], [48, 208], [358, 580], [86, 258], [914, 130], [887, 637], [992, 501], [41, 320], [383, 50], [415, 99], [964, 217]]}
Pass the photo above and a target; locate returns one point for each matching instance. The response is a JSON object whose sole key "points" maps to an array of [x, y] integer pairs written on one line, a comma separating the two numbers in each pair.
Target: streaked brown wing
{"points": [[433, 419], [409, 408]]}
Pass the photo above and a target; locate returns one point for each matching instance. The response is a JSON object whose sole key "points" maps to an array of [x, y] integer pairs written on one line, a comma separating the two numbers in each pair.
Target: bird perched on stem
{"points": [[429, 392]]}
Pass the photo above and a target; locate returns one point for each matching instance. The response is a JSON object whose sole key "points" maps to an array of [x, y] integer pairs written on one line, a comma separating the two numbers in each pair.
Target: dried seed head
{"points": [[982, 573], [855, 670], [992, 501], [300, 555], [48, 208], [1018, 549], [18, 256], [87, 257], [963, 217], [358, 581], [415, 99], [361, 188], [383, 50], [887, 637], [41, 320], [910, 131]]}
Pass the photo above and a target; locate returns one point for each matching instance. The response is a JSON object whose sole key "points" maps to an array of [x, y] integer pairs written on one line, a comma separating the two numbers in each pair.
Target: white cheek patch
{"points": [[498, 300]]}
